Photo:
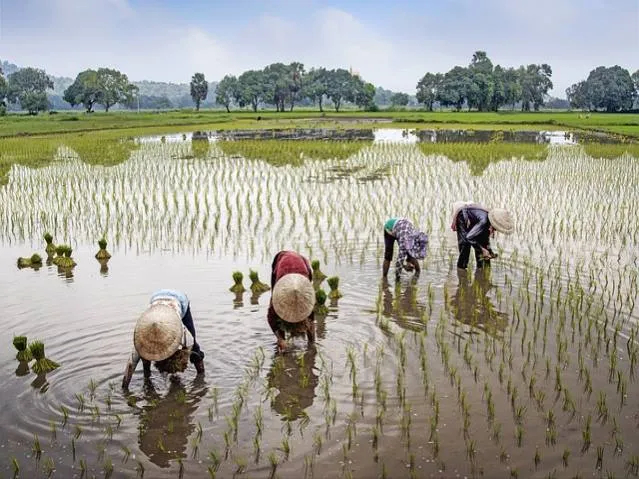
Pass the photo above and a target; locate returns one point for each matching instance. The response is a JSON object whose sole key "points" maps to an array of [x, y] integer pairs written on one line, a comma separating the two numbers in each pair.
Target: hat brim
{"points": [[158, 333], [293, 298], [501, 220]]}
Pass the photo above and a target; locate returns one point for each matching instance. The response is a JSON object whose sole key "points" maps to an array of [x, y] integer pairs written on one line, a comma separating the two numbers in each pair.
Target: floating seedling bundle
{"points": [[237, 287], [333, 282], [42, 364], [20, 343], [320, 303], [34, 261], [256, 285], [50, 248], [102, 254], [63, 258], [318, 276], [176, 363]]}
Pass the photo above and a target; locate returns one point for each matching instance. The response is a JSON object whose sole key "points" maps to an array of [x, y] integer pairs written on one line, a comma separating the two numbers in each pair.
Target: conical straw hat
{"points": [[293, 298], [158, 333], [501, 220]]}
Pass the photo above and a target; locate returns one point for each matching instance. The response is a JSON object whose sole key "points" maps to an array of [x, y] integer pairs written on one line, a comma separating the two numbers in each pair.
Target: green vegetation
{"points": [[148, 123], [294, 152], [480, 155]]}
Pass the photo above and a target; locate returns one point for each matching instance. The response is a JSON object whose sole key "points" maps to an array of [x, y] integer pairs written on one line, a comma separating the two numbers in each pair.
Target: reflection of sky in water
{"points": [[395, 135]]}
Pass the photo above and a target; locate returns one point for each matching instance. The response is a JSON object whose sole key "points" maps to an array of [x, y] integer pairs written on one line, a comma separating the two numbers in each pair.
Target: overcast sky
{"points": [[391, 43]]}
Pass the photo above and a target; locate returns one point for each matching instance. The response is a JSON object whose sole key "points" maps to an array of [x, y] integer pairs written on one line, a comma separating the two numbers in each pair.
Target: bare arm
{"points": [[134, 359]]}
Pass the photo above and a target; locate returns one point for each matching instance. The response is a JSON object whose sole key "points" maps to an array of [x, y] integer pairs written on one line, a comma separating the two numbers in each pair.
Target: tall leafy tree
{"points": [[512, 87], [114, 87], [29, 86], [3, 93], [251, 88], [227, 91], [362, 94], [199, 89], [85, 90], [340, 87], [610, 89], [535, 84], [399, 99], [454, 88], [428, 88], [481, 83], [316, 86], [577, 95]]}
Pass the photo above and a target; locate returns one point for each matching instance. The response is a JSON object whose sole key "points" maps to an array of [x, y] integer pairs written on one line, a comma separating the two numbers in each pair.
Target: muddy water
{"points": [[399, 381]]}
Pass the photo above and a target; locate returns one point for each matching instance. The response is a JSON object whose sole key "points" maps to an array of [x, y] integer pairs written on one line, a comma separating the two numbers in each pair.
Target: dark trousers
{"points": [[187, 321], [464, 247]]}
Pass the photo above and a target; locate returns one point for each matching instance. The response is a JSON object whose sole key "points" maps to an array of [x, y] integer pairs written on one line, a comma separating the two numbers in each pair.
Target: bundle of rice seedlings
{"points": [[34, 261], [237, 287], [333, 282], [318, 276], [102, 253], [42, 364], [50, 249], [24, 354], [175, 363], [64, 260], [320, 303], [256, 285]]}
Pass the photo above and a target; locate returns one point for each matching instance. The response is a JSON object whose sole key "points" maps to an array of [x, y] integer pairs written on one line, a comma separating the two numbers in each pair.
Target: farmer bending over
{"points": [[164, 333], [475, 225], [292, 298], [412, 246]]}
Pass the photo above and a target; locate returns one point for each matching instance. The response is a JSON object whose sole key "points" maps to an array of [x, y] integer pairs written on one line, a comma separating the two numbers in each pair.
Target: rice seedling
{"points": [[102, 253], [333, 283], [320, 307], [33, 261], [24, 353], [15, 467], [237, 287], [48, 467], [36, 448], [42, 364]]}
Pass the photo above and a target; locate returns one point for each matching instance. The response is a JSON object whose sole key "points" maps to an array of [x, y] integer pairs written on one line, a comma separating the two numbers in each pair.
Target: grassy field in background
{"points": [[176, 121]]}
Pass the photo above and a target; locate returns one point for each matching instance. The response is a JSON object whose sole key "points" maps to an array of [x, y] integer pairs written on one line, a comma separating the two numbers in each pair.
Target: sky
{"points": [[389, 43]]}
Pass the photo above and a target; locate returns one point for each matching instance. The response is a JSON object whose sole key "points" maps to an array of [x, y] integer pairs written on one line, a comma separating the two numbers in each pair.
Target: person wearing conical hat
{"points": [[165, 329], [412, 244], [292, 298], [475, 225]]}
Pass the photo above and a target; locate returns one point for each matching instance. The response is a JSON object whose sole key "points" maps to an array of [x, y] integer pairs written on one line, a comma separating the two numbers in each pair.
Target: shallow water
{"points": [[389, 359]]}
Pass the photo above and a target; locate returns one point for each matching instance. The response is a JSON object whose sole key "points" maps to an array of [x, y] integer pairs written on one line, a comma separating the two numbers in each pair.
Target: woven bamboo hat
{"points": [[293, 298], [501, 220], [158, 333]]}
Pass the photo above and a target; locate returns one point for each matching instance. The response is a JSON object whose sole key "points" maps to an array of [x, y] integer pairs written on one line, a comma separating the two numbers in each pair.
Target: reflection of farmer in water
{"points": [[294, 376], [166, 423], [401, 305], [471, 305]]}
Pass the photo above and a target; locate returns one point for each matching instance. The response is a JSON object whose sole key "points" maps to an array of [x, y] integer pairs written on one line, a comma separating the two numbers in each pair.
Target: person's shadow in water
{"points": [[472, 306], [166, 422], [293, 374], [403, 305]]}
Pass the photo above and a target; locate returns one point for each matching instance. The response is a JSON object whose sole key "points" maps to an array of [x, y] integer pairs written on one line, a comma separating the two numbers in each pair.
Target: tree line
{"points": [[479, 86]]}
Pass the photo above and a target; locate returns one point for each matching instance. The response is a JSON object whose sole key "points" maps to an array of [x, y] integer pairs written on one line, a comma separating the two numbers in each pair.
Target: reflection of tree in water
{"points": [[166, 423], [294, 376], [471, 304], [403, 306]]}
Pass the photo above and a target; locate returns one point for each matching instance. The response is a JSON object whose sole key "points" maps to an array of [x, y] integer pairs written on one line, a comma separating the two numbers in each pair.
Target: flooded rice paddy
{"points": [[528, 369]]}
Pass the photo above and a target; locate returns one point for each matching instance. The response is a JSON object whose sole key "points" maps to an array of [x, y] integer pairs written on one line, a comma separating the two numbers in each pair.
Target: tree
{"points": [[512, 87], [340, 87], [635, 81], [428, 88], [85, 90], [535, 84], [251, 88], [315, 85], [399, 99], [3, 94], [29, 87], [611, 89], [480, 89], [577, 95], [114, 87], [363, 94], [454, 88], [227, 90], [199, 89]]}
